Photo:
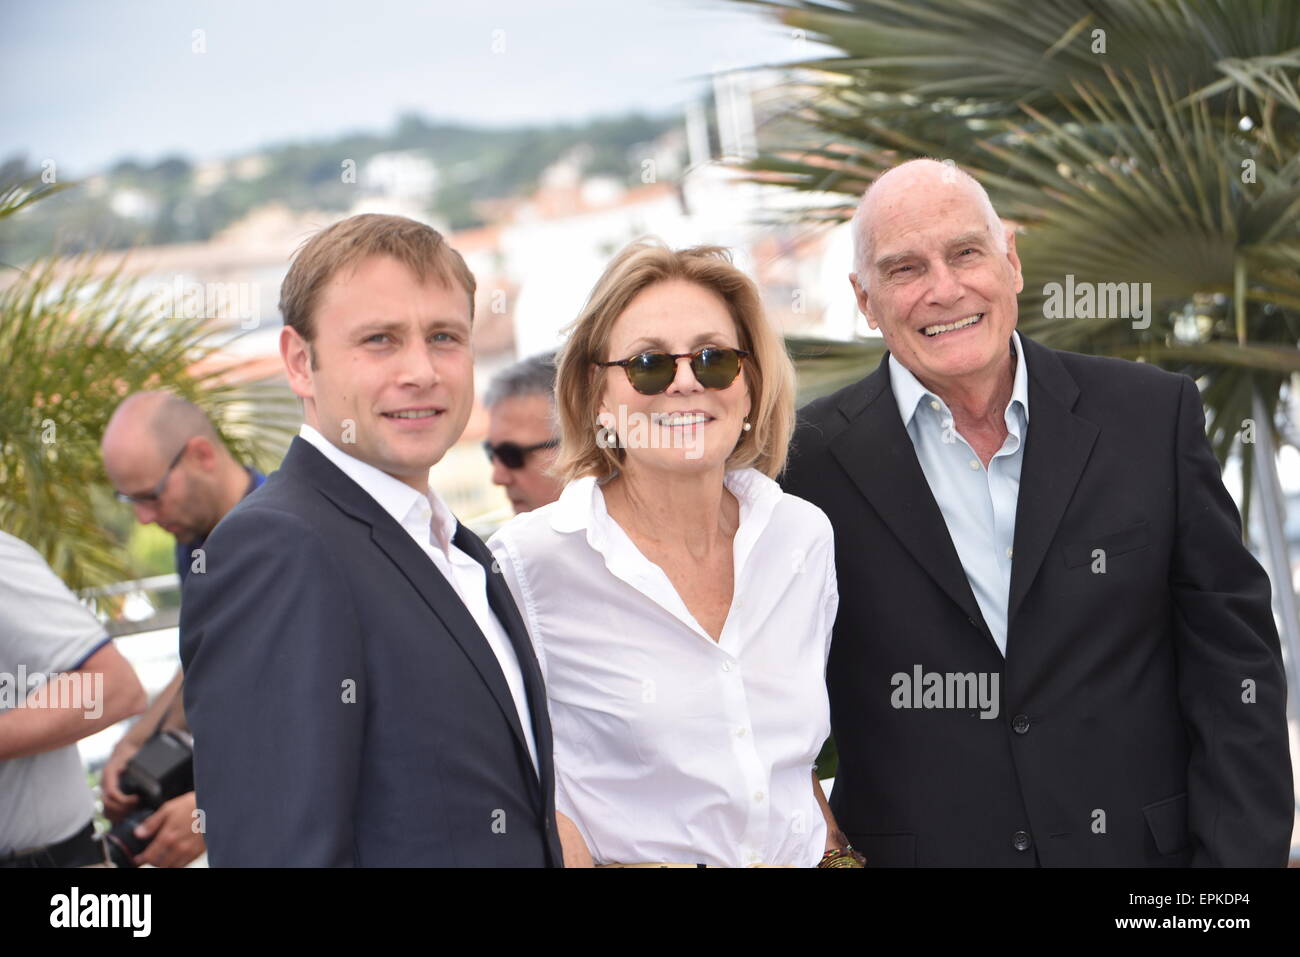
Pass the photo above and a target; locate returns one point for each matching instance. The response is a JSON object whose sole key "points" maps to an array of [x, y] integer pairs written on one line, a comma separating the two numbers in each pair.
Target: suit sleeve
{"points": [[274, 694], [1232, 687]]}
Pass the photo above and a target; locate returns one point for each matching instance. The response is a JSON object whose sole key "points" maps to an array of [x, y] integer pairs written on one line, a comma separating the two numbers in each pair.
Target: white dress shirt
{"points": [[670, 746], [978, 503], [428, 520]]}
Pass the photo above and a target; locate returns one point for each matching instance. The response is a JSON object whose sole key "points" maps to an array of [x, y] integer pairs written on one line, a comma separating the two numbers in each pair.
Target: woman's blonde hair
{"points": [[579, 388]]}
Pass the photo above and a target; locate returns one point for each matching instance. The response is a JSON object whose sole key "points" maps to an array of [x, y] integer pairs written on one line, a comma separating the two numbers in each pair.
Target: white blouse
{"points": [[669, 746]]}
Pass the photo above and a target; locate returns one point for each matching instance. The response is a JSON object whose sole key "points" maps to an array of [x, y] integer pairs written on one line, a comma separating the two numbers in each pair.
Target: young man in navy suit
{"points": [[359, 684]]}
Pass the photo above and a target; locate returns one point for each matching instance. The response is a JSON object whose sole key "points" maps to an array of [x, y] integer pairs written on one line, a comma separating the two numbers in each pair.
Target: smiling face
{"points": [[938, 288], [687, 427], [392, 383]]}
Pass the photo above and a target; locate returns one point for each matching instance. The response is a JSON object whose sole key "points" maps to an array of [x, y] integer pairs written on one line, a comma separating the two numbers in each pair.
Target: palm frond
{"points": [[75, 344]]}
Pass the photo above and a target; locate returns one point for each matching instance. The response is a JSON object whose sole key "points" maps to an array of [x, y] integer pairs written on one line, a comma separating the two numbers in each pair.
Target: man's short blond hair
{"points": [[344, 245], [579, 387]]}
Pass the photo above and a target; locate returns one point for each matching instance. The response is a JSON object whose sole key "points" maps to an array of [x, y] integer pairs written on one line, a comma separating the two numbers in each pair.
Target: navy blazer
{"points": [[1142, 716], [346, 709]]}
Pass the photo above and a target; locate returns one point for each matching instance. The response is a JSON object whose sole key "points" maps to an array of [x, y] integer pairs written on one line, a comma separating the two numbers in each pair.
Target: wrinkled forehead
{"points": [[924, 209]]}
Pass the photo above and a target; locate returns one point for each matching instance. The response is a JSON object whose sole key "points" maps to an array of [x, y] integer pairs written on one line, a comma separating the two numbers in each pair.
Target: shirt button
{"points": [[1009, 551], [974, 464], [1021, 841], [758, 795], [740, 732], [726, 666], [934, 405], [1020, 724]]}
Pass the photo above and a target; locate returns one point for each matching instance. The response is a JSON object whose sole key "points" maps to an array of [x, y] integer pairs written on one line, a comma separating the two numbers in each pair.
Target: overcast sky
{"points": [[87, 82]]}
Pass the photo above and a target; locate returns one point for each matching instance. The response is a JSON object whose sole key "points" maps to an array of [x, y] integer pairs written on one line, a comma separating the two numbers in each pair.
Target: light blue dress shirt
{"points": [[978, 504]]}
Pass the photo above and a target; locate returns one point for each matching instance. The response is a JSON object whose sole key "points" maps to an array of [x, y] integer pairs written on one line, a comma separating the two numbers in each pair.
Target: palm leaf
{"points": [[75, 343], [1172, 159]]}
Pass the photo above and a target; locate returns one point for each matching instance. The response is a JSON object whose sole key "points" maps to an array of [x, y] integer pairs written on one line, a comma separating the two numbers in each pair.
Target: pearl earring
{"points": [[747, 426]]}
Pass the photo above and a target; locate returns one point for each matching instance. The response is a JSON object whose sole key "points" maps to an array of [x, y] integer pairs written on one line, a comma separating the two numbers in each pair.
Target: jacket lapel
{"points": [[414, 565], [503, 606], [1056, 450], [876, 451]]}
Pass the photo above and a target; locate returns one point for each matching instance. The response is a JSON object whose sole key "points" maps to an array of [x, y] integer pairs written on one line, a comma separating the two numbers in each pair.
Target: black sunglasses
{"points": [[651, 373], [512, 454], [149, 498]]}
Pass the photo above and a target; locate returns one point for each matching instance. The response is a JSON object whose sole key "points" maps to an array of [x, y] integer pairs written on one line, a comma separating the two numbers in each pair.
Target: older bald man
{"points": [[165, 458], [1052, 647]]}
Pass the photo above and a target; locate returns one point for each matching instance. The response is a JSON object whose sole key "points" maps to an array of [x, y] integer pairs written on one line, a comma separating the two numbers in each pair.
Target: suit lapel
{"points": [[877, 452], [1056, 450], [878, 455], [441, 597], [414, 565], [503, 606]]}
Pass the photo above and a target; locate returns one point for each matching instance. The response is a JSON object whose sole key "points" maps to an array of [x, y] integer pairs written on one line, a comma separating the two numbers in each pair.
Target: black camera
{"points": [[162, 769]]}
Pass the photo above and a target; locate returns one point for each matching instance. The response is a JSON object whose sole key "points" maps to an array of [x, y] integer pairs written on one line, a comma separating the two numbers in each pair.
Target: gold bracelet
{"points": [[844, 856]]}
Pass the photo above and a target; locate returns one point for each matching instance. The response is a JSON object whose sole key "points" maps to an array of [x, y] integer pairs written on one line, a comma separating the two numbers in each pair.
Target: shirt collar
{"points": [[394, 496], [582, 506], [909, 392]]}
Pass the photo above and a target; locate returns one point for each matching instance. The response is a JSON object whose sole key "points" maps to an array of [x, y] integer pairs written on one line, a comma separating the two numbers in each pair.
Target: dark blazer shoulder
{"points": [[1104, 372], [819, 420], [288, 499]]}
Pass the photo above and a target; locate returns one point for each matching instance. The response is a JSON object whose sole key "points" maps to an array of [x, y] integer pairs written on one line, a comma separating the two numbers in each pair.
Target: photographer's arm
{"points": [[72, 705]]}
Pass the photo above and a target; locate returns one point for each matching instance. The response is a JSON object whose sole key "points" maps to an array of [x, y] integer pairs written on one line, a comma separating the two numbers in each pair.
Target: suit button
{"points": [[1020, 723], [1021, 840]]}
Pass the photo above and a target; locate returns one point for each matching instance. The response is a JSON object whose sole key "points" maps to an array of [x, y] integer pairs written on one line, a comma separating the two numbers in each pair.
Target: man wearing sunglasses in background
{"points": [[168, 463], [521, 438]]}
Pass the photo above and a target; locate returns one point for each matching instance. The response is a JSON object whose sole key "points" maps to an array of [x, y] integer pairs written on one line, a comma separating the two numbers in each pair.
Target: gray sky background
{"points": [[87, 82]]}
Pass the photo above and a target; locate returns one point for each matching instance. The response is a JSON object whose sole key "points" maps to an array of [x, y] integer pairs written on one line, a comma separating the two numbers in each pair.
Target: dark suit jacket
{"points": [[1122, 736], [345, 707]]}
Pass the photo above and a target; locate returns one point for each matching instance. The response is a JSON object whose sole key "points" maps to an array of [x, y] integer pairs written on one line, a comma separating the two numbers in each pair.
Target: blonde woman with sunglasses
{"points": [[680, 603]]}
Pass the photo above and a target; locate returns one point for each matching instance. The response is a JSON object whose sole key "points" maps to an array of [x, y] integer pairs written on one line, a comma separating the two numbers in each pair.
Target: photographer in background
{"points": [[187, 498], [82, 685]]}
